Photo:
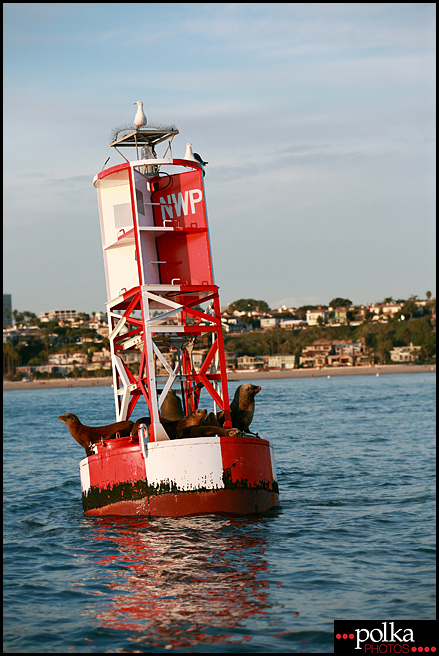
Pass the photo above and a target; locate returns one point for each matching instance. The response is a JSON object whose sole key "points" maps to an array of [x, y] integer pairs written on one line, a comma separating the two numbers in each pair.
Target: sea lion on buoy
{"points": [[169, 426], [172, 407], [173, 427], [207, 431], [142, 420], [170, 412], [210, 420], [194, 419], [86, 436], [242, 407]]}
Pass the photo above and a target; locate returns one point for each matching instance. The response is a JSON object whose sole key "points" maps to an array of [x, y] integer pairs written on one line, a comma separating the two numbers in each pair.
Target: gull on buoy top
{"points": [[140, 118]]}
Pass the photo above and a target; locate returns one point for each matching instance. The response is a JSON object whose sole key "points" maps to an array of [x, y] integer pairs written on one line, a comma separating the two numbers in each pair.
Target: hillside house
{"points": [[405, 353], [391, 308], [352, 349], [348, 354], [23, 335], [270, 322], [233, 324], [230, 360], [340, 360], [292, 324], [338, 316], [198, 357], [101, 356], [312, 316], [282, 361], [57, 315], [77, 357], [250, 362], [316, 354]]}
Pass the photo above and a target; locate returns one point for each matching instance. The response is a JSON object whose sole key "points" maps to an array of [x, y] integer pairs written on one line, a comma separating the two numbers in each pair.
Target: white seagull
{"points": [[140, 118], [194, 156], [189, 154]]}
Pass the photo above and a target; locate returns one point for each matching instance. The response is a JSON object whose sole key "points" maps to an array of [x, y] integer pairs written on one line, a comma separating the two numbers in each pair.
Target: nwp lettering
{"points": [[175, 204]]}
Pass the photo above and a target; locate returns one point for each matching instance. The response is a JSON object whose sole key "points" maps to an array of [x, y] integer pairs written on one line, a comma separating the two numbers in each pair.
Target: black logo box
{"points": [[374, 637]]}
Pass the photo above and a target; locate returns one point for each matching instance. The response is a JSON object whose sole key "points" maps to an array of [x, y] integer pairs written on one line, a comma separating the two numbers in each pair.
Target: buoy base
{"points": [[232, 475], [221, 502]]}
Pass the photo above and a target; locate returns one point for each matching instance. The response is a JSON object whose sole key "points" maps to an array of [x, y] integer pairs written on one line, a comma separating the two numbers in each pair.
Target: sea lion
{"points": [[172, 427], [142, 420], [210, 420], [172, 407], [194, 419], [207, 431], [242, 407], [86, 436], [171, 411], [169, 426]]}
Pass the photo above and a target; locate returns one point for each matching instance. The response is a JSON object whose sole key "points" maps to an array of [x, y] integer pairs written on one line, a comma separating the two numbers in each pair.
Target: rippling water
{"points": [[353, 538]]}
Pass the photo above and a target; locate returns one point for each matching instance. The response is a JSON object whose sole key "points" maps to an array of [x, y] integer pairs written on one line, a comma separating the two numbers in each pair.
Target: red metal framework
{"points": [[161, 289]]}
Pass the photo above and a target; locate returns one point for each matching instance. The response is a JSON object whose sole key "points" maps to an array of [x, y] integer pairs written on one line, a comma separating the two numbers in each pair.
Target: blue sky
{"points": [[317, 121]]}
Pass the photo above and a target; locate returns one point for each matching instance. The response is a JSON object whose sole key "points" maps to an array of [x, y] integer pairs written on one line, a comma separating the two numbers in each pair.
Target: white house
{"points": [[282, 361], [269, 322], [313, 315], [292, 324], [405, 353]]}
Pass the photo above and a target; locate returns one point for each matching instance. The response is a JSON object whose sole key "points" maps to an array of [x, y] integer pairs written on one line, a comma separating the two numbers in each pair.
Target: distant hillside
{"points": [[379, 338]]}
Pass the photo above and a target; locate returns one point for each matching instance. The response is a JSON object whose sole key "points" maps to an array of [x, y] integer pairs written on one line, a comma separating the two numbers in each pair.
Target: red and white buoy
{"points": [[162, 297]]}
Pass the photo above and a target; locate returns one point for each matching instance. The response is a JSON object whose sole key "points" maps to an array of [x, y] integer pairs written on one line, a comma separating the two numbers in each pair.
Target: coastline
{"points": [[241, 375]]}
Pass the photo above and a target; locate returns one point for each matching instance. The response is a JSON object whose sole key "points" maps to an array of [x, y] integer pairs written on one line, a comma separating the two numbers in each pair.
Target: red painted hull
{"points": [[222, 502], [224, 475]]}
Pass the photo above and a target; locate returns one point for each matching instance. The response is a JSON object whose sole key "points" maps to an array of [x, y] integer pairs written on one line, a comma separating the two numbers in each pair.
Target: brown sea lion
{"points": [[172, 407], [207, 431], [86, 436], [142, 420], [169, 426], [172, 427], [210, 420], [194, 419], [171, 411], [242, 407]]}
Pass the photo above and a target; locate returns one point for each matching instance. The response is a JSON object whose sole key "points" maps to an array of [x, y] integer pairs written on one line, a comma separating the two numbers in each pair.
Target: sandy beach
{"points": [[242, 375]]}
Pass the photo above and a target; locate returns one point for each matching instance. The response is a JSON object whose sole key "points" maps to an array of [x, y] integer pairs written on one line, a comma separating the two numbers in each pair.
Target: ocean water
{"points": [[353, 537]]}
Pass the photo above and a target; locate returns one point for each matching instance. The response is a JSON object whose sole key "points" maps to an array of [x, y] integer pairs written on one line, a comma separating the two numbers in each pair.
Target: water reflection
{"points": [[181, 582]]}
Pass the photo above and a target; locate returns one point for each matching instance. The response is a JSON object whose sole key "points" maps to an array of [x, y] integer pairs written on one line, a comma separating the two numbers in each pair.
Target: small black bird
{"points": [[198, 158]]}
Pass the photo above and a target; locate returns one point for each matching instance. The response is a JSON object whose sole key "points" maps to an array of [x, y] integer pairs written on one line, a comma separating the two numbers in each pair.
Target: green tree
{"points": [[248, 305], [340, 302], [26, 318], [301, 311], [11, 359], [70, 334], [428, 295], [43, 356], [409, 307]]}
